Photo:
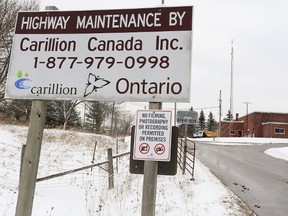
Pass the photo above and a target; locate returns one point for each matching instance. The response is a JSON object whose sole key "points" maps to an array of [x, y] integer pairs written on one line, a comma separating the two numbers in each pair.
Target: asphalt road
{"points": [[261, 181]]}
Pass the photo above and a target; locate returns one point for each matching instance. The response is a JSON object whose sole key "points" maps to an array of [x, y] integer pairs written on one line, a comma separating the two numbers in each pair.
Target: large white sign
{"points": [[113, 55], [153, 135]]}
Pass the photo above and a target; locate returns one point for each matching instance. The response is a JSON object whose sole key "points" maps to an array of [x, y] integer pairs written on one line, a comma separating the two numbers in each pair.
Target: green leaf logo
{"points": [[19, 74]]}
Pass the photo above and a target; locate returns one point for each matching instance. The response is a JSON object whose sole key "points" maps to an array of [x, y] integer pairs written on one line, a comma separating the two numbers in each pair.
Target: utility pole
{"points": [[231, 91], [231, 80], [31, 155], [220, 114], [247, 125]]}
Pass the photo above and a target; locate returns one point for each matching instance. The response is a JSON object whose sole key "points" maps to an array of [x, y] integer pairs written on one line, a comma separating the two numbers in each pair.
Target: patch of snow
{"points": [[280, 153], [85, 193]]}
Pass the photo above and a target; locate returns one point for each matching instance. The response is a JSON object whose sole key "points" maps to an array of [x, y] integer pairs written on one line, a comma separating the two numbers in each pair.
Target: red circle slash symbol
{"points": [[159, 149], [144, 148]]}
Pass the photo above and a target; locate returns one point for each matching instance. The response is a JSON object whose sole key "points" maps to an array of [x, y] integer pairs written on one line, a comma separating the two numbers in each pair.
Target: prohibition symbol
{"points": [[144, 148], [159, 149]]}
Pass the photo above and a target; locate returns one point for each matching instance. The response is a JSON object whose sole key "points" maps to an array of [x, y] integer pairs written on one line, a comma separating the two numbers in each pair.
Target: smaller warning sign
{"points": [[153, 135]]}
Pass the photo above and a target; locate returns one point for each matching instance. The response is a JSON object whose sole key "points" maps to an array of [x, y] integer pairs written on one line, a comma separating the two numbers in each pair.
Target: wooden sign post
{"points": [[31, 156]]}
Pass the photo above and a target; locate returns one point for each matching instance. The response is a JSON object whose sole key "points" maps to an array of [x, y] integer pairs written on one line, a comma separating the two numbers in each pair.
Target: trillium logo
{"points": [[94, 83], [23, 81]]}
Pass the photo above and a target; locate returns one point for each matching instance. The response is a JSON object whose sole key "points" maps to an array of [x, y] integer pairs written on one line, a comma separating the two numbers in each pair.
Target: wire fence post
{"points": [[110, 169], [194, 160], [185, 148], [117, 151], [93, 158]]}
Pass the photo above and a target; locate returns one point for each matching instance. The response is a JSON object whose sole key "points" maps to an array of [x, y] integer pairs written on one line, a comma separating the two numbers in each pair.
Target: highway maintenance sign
{"points": [[139, 54]]}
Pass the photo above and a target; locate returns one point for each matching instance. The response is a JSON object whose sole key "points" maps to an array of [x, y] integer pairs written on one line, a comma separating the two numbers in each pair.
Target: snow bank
{"points": [[281, 153], [86, 193]]}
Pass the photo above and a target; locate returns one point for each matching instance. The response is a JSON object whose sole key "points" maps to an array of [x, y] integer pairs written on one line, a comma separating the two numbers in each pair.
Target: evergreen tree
{"points": [[97, 111], [16, 109], [53, 116], [191, 127], [201, 121], [229, 116], [211, 122]]}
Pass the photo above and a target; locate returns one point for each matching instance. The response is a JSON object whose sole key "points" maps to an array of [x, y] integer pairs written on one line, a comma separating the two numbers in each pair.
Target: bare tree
{"points": [[8, 11], [68, 107], [123, 122], [62, 113]]}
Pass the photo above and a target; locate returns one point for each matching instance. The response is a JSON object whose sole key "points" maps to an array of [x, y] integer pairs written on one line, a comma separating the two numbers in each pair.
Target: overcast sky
{"points": [[259, 30]]}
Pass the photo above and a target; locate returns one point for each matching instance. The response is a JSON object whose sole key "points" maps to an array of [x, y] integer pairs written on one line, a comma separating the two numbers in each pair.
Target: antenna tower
{"points": [[231, 81]]}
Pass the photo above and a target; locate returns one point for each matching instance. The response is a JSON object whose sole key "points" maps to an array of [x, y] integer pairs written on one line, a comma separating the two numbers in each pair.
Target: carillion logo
{"points": [[94, 83], [23, 81]]}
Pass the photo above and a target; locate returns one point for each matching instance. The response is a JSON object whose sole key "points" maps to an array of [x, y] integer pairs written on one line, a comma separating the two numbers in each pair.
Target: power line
{"points": [[214, 107]]}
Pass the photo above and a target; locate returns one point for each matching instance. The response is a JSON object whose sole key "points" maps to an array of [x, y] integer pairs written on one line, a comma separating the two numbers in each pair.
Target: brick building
{"points": [[257, 124], [233, 128]]}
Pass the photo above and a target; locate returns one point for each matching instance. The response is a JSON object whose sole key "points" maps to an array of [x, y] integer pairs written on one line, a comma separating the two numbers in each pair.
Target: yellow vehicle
{"points": [[205, 133]]}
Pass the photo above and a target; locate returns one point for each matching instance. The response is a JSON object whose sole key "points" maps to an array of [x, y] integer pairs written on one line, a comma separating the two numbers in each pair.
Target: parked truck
{"points": [[205, 133]]}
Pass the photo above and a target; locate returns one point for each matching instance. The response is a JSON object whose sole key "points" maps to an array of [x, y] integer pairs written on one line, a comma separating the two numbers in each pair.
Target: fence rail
{"points": [[186, 155], [185, 160], [81, 168]]}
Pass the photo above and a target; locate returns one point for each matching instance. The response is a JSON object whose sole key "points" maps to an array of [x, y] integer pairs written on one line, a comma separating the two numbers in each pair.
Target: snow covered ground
{"points": [[86, 193]]}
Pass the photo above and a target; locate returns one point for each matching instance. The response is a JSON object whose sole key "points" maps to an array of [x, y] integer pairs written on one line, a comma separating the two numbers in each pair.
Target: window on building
{"points": [[232, 132], [279, 131]]}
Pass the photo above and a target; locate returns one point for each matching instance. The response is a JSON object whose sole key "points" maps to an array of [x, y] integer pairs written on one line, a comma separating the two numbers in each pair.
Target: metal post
{"points": [[175, 114], [185, 149], [150, 179]]}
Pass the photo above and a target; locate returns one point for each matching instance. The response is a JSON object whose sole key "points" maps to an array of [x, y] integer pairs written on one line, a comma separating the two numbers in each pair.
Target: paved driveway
{"points": [[260, 180]]}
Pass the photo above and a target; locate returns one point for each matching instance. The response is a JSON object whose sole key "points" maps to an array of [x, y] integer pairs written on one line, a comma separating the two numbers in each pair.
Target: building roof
{"points": [[268, 113], [279, 123], [225, 121]]}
